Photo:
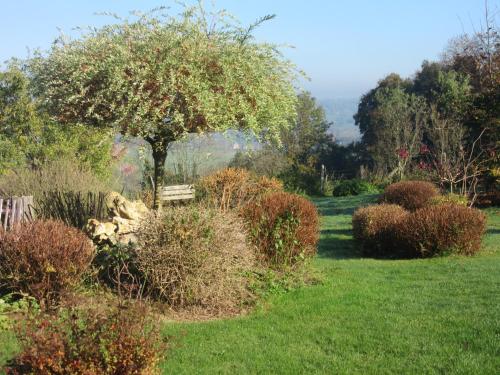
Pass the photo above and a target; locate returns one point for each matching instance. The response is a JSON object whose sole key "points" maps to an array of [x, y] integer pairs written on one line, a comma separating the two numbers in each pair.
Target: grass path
{"points": [[435, 316]]}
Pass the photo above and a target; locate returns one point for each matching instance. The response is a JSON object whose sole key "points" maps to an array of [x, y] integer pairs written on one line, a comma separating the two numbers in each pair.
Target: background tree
{"points": [[28, 137], [160, 78]]}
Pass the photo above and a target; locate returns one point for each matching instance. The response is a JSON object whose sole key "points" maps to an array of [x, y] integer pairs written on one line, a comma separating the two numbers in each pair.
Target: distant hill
{"points": [[340, 111]]}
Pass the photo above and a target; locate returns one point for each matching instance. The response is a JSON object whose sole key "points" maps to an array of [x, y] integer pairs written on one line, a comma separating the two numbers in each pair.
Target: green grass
{"points": [[369, 316]]}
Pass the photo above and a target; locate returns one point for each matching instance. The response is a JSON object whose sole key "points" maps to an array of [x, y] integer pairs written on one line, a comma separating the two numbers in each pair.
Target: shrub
{"points": [[119, 341], [43, 259], [345, 188], [449, 199], [284, 228], [442, 229], [62, 175], [375, 229], [73, 208], [233, 188], [194, 256], [301, 179], [411, 195]]}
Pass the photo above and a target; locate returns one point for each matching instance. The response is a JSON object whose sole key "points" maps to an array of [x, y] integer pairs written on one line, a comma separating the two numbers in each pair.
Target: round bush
{"points": [[375, 229], [284, 228], [233, 188], [443, 229], [195, 256], [410, 195], [43, 259]]}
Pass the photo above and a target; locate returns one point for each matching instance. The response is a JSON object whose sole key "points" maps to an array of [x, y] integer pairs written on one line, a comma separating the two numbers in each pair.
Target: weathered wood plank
{"points": [[177, 192], [178, 197], [178, 187]]}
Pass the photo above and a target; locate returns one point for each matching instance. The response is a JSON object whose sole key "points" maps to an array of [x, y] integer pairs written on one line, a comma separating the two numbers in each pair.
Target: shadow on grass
{"points": [[338, 248], [493, 231]]}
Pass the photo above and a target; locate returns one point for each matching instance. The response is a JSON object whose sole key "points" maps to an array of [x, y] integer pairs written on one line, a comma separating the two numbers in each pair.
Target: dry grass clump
{"points": [[376, 227], [443, 229], [284, 227], [410, 195], [61, 175], [232, 188], [43, 259], [195, 256]]}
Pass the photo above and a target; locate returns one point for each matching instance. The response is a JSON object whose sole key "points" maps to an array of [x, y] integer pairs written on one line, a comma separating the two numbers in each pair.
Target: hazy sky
{"points": [[344, 46]]}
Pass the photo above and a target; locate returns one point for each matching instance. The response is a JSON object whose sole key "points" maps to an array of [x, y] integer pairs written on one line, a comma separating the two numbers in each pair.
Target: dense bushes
{"points": [[433, 225], [376, 227], [195, 256], [233, 188], [284, 228], [43, 259], [442, 229], [345, 188], [90, 341], [410, 195]]}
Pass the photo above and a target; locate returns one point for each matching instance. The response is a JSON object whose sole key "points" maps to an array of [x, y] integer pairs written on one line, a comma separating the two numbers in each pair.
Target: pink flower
{"points": [[403, 153]]}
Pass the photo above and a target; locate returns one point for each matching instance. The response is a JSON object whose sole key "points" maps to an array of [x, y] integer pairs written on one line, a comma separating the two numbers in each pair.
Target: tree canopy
{"points": [[161, 77]]}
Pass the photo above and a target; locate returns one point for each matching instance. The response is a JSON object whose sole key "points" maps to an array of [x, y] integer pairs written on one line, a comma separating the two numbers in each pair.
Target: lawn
{"points": [[371, 316], [368, 316]]}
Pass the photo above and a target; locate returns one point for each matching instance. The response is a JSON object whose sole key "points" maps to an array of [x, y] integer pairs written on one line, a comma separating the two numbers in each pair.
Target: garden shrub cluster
{"points": [[232, 188], [345, 188], [89, 341], [283, 227], [43, 259], [195, 256], [442, 229], [410, 195], [376, 227], [424, 223]]}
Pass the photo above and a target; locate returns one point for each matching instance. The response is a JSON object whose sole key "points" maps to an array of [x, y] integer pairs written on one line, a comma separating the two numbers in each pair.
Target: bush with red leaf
{"points": [[284, 228], [375, 228], [410, 195], [443, 229], [76, 341], [43, 259]]}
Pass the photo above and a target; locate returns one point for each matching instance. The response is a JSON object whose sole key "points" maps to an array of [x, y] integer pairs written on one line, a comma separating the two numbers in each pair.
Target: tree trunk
{"points": [[159, 157]]}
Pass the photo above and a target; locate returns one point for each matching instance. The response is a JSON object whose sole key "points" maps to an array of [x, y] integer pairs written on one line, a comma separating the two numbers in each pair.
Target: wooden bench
{"points": [[177, 193]]}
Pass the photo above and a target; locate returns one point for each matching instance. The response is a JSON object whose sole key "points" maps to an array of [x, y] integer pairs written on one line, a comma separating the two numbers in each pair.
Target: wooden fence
{"points": [[15, 210]]}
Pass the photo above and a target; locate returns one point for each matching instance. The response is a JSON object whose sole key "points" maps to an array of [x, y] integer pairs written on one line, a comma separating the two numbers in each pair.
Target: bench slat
{"points": [[178, 187], [177, 197]]}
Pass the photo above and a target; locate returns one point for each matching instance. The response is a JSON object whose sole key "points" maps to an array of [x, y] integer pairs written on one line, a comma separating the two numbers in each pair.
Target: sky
{"points": [[344, 46]]}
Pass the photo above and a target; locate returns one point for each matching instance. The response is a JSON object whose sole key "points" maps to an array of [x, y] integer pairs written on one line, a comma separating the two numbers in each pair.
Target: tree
{"points": [[29, 137], [160, 78], [308, 132]]}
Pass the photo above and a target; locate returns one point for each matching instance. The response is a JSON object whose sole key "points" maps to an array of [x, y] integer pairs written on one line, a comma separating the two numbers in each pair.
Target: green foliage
{"points": [[301, 179], [29, 137], [15, 304], [343, 188], [450, 199]]}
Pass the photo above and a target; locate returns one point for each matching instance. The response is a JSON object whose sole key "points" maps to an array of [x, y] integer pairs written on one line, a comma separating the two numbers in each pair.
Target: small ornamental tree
{"points": [[160, 77]]}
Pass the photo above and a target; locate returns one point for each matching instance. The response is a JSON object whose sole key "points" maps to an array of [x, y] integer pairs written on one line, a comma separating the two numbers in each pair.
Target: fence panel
{"points": [[15, 210]]}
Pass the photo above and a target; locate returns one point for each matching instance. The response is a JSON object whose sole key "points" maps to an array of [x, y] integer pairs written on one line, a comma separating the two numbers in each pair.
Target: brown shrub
{"points": [[410, 195], [233, 188], [375, 229], [43, 258], [443, 229], [118, 341], [194, 256], [284, 228]]}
